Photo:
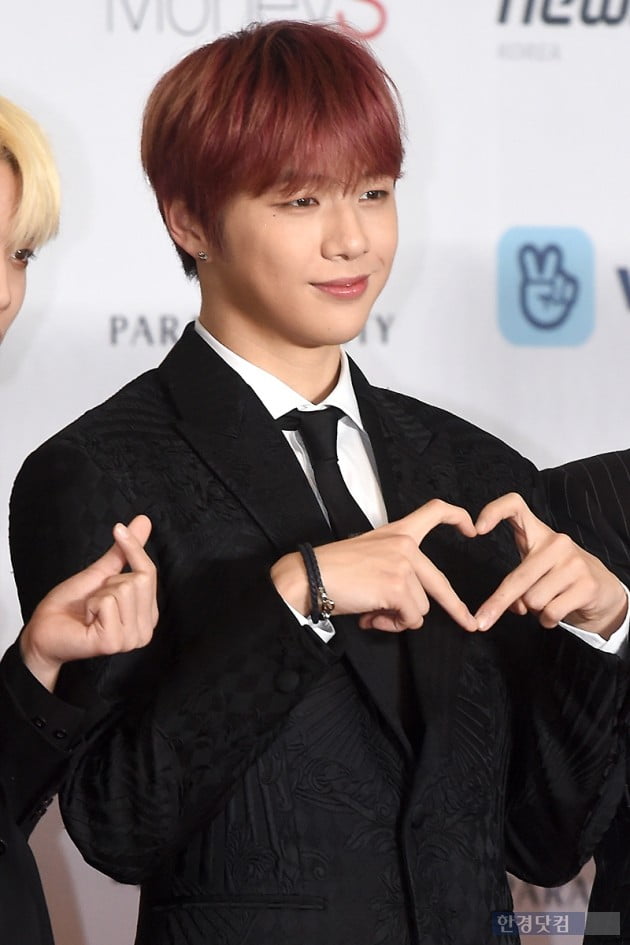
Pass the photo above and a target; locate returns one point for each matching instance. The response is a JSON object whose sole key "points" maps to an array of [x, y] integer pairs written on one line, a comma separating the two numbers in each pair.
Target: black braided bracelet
{"points": [[321, 604]]}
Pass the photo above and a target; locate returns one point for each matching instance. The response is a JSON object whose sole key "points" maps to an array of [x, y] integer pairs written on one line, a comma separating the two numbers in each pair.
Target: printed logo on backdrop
{"points": [[545, 286], [365, 18], [556, 16], [145, 330], [162, 331], [564, 12]]}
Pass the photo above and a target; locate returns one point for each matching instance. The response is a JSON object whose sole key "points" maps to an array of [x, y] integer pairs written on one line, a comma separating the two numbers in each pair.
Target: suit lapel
{"points": [[235, 436], [407, 452], [415, 464]]}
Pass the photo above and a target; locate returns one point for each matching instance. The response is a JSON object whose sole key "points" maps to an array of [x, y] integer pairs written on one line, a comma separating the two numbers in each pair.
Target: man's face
{"points": [[12, 262], [299, 271]]}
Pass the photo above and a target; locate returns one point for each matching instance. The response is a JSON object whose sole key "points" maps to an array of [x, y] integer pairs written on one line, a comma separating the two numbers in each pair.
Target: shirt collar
{"points": [[277, 396]]}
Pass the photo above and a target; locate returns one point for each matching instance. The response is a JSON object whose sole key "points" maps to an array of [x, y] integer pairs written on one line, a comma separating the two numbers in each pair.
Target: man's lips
{"points": [[344, 288]]}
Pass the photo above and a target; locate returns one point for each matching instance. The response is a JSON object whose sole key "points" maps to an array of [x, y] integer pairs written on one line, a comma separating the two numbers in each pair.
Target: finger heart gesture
{"points": [[384, 576], [556, 579]]}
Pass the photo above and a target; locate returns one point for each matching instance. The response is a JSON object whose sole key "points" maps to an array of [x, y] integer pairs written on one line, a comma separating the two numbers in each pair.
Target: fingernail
{"points": [[483, 621], [121, 530]]}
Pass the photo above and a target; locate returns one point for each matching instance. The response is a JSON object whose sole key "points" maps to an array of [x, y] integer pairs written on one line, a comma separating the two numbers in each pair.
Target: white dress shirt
{"points": [[356, 459]]}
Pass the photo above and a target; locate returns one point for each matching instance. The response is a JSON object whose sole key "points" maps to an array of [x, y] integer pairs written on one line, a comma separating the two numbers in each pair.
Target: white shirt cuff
{"points": [[323, 628], [616, 643]]}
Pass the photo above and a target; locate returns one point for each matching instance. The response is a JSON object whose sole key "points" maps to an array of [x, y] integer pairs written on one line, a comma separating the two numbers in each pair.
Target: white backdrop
{"points": [[518, 136]]}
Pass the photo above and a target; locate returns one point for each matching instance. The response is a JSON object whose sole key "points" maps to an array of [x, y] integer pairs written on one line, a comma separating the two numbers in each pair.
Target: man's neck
{"points": [[312, 372]]}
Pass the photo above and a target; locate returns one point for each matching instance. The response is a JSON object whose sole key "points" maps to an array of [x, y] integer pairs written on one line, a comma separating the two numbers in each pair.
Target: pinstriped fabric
{"points": [[590, 499]]}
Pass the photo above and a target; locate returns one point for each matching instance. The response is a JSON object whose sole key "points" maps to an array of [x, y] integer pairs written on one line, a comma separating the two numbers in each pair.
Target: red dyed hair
{"points": [[283, 102]]}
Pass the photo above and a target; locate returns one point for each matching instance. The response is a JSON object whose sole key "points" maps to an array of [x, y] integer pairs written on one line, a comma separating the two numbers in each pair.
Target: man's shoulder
{"points": [[462, 460], [142, 411], [464, 434], [597, 471], [134, 421], [139, 406]]}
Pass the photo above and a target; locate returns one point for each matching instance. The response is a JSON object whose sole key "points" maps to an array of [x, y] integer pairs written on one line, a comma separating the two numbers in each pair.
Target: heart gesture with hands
{"points": [[99, 611], [384, 576], [556, 579]]}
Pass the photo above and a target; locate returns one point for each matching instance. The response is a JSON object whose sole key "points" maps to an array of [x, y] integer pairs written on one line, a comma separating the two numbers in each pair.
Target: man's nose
{"points": [[345, 236]]}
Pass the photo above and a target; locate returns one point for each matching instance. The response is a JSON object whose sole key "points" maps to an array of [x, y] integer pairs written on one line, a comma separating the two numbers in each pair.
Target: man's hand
{"points": [[556, 579], [98, 611], [382, 574]]}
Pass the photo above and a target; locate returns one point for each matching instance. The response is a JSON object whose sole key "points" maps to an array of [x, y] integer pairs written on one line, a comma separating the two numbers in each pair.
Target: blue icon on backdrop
{"points": [[548, 292], [546, 286]]}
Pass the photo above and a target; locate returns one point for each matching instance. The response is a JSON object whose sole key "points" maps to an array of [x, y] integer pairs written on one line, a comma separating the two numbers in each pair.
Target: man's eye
{"points": [[23, 256], [303, 202], [374, 195]]}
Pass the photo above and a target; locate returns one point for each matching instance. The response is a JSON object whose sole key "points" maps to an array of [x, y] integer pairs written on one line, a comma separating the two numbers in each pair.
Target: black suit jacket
{"points": [[257, 782], [590, 500], [35, 732]]}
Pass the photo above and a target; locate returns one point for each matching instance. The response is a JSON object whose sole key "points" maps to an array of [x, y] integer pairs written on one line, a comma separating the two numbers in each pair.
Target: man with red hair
{"points": [[293, 761]]}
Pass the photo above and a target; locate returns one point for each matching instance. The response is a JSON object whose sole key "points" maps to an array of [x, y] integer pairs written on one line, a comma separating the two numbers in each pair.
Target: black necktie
{"points": [[318, 429]]}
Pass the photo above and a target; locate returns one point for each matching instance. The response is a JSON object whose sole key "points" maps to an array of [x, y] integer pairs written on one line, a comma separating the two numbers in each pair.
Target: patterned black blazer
{"points": [[590, 500], [36, 732], [258, 783]]}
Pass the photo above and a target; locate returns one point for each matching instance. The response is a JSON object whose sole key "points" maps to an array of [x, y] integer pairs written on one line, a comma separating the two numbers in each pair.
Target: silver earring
{"points": [[202, 255]]}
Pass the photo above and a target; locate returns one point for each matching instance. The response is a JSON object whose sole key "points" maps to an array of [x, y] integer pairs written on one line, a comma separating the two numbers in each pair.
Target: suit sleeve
{"points": [[37, 734], [565, 700], [589, 499], [567, 768], [169, 762], [187, 714], [567, 771]]}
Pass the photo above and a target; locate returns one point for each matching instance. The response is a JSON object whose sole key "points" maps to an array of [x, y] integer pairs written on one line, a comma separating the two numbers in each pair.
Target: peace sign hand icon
{"points": [[548, 292]]}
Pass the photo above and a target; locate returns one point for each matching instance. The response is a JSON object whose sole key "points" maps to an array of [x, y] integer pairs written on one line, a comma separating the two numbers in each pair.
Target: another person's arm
{"points": [[99, 610]]}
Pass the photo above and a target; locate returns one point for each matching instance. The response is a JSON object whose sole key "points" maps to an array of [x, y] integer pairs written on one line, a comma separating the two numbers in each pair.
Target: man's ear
{"points": [[185, 228]]}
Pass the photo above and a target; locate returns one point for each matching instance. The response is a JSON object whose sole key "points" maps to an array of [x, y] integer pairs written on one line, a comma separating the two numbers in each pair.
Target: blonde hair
{"points": [[24, 147]]}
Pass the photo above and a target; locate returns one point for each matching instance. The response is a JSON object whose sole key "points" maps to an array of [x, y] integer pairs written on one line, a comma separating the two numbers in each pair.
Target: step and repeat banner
{"points": [[509, 302]]}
